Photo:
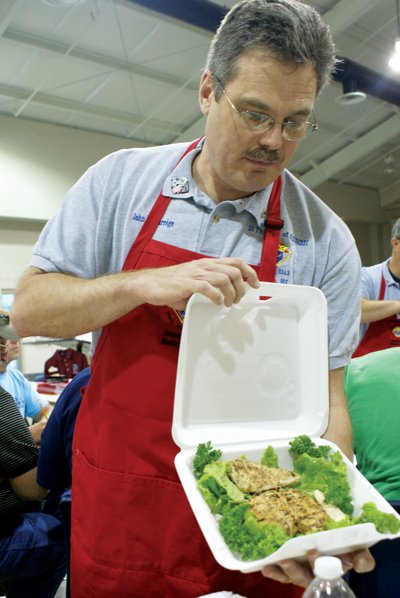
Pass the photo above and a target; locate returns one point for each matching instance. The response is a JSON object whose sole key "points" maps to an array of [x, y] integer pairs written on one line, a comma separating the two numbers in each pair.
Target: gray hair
{"points": [[396, 229], [292, 32]]}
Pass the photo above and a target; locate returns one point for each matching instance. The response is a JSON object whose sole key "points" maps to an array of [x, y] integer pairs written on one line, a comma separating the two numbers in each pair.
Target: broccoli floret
{"points": [[217, 488], [205, 454], [385, 523], [328, 476], [269, 457], [246, 536], [303, 444]]}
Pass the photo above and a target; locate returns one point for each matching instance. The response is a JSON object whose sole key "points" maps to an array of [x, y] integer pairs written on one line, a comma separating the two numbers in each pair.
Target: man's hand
{"points": [[37, 429], [301, 574], [223, 281], [62, 305]]}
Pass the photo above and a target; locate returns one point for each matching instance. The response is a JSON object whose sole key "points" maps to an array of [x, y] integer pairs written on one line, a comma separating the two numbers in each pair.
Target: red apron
{"points": [[382, 334], [133, 531]]}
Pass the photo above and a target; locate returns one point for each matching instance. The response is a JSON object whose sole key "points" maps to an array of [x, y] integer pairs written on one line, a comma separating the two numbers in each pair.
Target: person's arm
{"points": [[58, 305], [26, 487], [374, 310], [36, 430], [339, 426], [43, 414], [18, 457]]}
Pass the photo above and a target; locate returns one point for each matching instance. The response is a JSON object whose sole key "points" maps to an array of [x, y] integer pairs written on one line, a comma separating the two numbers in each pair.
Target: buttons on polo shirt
{"points": [[216, 219]]}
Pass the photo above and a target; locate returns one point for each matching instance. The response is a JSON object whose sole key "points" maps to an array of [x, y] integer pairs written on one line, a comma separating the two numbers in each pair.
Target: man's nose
{"points": [[272, 138]]}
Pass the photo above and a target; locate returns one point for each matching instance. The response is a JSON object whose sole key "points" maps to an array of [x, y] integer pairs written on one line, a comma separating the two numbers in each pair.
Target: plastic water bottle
{"points": [[328, 582]]}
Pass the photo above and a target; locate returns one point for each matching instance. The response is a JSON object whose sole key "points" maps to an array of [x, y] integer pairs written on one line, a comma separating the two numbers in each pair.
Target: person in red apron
{"points": [[382, 334], [383, 314], [123, 449], [133, 532]]}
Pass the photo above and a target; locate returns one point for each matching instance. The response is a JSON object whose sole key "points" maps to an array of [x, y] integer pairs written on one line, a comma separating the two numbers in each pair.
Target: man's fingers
{"points": [[247, 272], [275, 573], [362, 561], [223, 281], [237, 273]]}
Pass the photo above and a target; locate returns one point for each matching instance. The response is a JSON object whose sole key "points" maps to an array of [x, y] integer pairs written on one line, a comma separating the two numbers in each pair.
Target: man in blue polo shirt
{"points": [[380, 302]]}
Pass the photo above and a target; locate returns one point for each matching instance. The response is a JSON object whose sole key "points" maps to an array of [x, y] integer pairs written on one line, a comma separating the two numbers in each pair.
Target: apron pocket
{"points": [[137, 523]]}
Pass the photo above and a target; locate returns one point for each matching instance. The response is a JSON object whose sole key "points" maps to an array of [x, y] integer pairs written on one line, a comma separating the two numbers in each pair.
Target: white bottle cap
{"points": [[328, 567]]}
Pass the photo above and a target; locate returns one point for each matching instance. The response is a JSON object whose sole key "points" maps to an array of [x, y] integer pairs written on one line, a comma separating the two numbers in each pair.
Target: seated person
{"points": [[28, 401], [372, 384], [32, 545]]}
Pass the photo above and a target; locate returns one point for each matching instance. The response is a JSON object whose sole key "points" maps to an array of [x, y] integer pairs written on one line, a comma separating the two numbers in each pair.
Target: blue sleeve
{"points": [[32, 398], [53, 469], [55, 456]]}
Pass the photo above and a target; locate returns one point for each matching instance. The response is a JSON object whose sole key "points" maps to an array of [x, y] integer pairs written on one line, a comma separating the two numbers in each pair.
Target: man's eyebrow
{"points": [[254, 103]]}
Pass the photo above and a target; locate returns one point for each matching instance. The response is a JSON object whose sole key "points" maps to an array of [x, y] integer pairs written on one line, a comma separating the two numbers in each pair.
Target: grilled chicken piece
{"points": [[295, 511], [251, 477]]}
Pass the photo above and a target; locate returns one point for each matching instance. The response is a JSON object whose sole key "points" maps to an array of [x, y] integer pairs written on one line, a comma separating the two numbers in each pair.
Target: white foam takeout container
{"points": [[254, 375]]}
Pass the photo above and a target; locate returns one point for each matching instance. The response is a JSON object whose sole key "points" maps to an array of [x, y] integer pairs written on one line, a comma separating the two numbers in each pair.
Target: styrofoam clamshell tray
{"points": [[254, 375]]}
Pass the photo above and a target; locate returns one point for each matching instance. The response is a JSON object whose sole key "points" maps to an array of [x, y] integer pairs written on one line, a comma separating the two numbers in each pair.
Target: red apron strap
{"points": [[273, 226], [382, 289], [153, 219]]}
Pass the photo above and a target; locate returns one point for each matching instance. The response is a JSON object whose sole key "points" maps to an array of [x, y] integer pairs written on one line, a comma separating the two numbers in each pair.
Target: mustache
{"points": [[264, 155]]}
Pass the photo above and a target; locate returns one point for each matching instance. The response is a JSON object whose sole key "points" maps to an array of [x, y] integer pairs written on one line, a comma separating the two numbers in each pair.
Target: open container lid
{"points": [[255, 371]]}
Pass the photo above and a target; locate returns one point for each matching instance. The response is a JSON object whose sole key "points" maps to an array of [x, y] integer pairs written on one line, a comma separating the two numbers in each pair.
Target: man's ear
{"points": [[206, 92]]}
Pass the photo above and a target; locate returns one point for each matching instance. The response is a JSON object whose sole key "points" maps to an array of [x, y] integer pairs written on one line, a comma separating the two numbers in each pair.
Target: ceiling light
{"points": [[350, 94], [394, 61]]}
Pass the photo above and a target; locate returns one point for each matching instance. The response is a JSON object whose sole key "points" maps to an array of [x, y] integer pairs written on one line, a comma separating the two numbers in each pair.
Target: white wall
{"points": [[361, 209], [40, 162], [16, 243]]}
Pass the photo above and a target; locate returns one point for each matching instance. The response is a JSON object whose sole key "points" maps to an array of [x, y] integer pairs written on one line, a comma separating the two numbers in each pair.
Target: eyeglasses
{"points": [[291, 130]]}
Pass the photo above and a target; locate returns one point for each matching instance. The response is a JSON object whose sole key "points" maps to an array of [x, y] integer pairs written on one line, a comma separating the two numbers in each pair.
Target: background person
{"points": [[32, 547], [28, 401], [380, 302], [156, 225], [372, 384]]}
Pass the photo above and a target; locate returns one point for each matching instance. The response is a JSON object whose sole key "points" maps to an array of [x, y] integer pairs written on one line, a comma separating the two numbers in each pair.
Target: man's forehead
{"points": [[292, 86]]}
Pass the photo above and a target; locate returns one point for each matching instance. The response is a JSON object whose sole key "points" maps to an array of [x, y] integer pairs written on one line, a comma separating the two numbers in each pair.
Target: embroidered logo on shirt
{"points": [[396, 332], [284, 253], [179, 185]]}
